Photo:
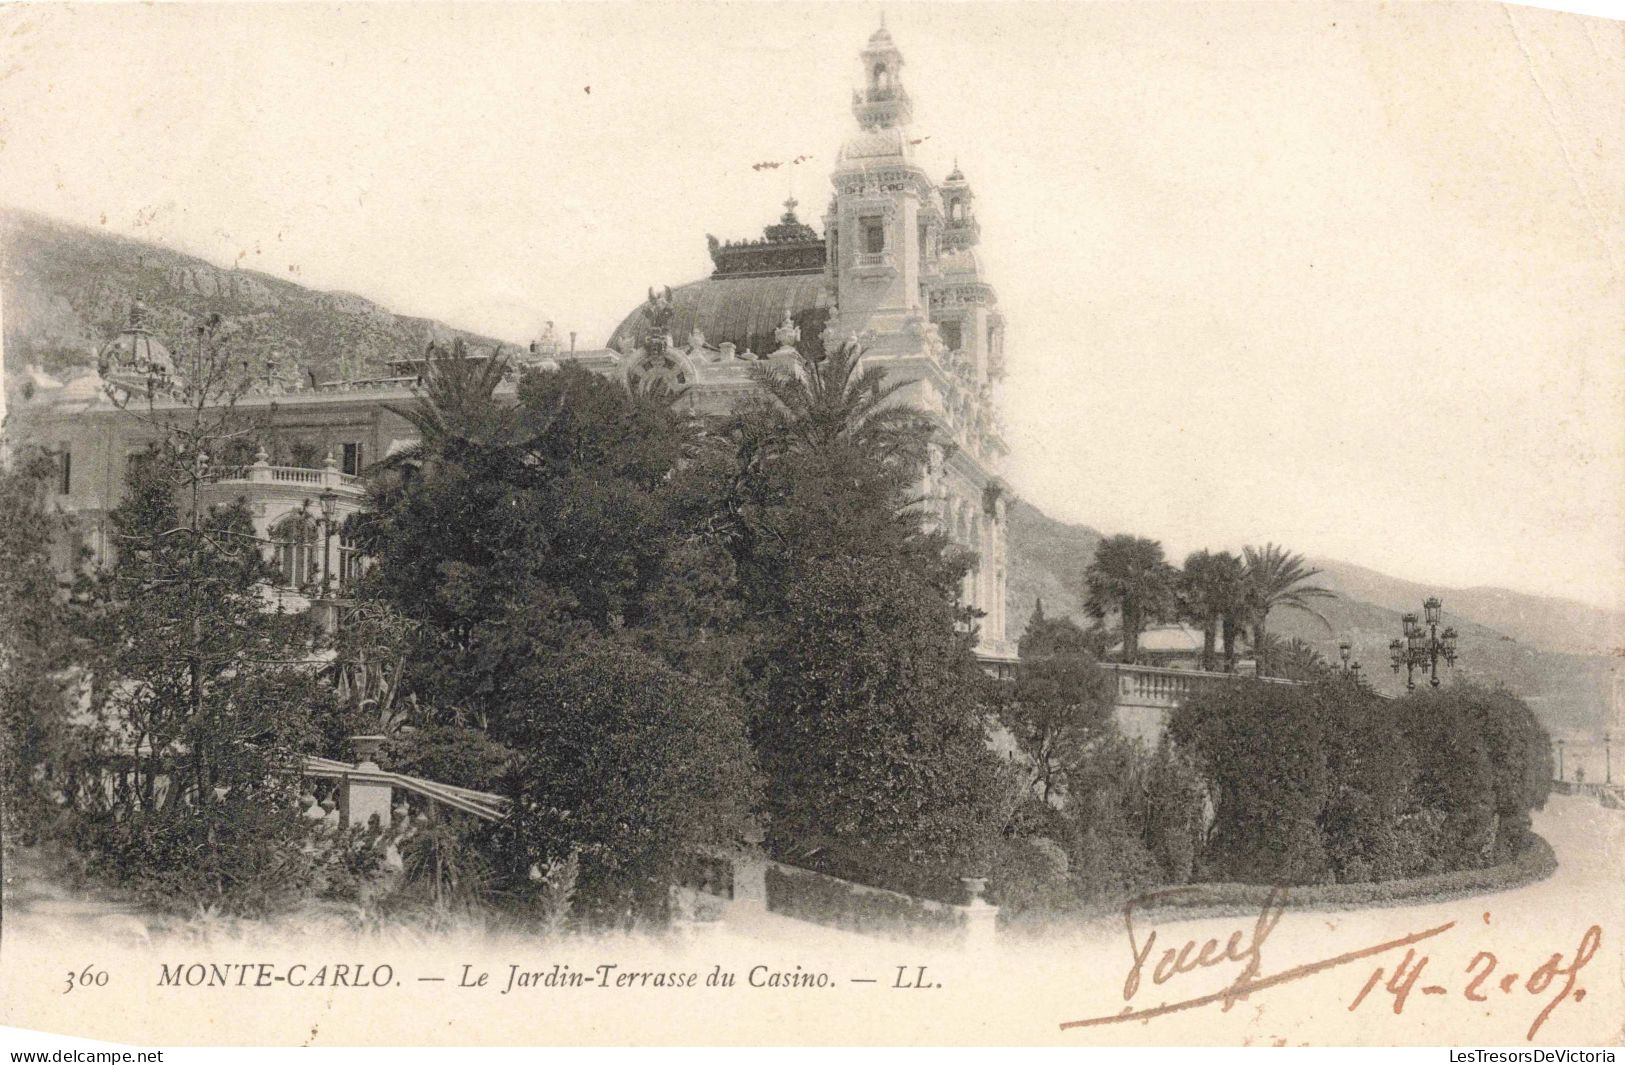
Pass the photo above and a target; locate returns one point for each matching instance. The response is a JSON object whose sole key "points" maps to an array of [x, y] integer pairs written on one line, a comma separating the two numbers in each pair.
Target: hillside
{"points": [[67, 290], [1047, 558], [1548, 623]]}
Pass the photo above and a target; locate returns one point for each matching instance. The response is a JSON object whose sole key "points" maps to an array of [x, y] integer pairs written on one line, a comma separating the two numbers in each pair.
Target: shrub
{"points": [[632, 767], [241, 854], [870, 724], [1030, 876], [1173, 815], [1326, 782], [813, 896], [448, 754]]}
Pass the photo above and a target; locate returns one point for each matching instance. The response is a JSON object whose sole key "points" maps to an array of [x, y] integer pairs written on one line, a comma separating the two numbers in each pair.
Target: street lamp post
{"points": [[1351, 670], [330, 505], [1607, 757], [1423, 644], [1560, 760]]}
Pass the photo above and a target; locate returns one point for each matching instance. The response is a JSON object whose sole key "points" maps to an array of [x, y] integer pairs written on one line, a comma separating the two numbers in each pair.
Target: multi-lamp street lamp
{"points": [[1423, 644], [1351, 670]]}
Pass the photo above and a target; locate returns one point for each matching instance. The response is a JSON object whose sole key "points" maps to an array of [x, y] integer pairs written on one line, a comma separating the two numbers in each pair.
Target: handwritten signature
{"points": [[1245, 947]]}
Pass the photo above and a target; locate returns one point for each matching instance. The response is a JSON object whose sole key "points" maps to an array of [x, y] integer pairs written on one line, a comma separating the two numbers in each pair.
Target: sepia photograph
{"points": [[771, 524]]}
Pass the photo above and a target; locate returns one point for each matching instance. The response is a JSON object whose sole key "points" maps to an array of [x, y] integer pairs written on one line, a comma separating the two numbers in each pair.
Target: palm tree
{"points": [[826, 432], [1295, 659], [458, 405], [1130, 577], [1212, 595], [837, 399], [1275, 578]]}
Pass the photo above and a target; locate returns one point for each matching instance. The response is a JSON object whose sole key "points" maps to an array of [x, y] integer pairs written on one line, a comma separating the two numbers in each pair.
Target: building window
{"points": [[306, 455], [874, 236], [352, 459], [951, 335], [64, 472], [349, 561], [296, 550]]}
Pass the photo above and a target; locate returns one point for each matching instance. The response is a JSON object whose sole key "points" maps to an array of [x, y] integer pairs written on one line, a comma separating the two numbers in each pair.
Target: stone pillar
{"points": [[750, 873], [981, 917], [361, 800], [260, 472]]}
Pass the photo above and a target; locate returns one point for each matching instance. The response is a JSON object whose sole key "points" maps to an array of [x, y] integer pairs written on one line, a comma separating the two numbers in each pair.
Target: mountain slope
{"points": [[1046, 560], [1548, 623], [67, 290]]}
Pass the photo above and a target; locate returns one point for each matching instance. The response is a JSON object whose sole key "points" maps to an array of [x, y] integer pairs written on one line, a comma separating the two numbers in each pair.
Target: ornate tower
{"points": [[905, 279], [881, 221], [962, 302]]}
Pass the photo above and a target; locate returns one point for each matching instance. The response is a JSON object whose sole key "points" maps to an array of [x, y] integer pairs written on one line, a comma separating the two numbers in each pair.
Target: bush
{"points": [[1031, 875], [823, 899], [1328, 783], [1173, 814], [1534, 862], [871, 727], [242, 854], [448, 754], [630, 766]]}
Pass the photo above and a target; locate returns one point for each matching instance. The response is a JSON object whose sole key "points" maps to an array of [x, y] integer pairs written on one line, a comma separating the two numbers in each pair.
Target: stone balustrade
{"points": [[259, 473], [1146, 695], [1157, 686]]}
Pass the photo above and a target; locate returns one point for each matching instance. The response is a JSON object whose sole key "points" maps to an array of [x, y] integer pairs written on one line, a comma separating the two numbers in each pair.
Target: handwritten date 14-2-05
{"points": [[1483, 980]]}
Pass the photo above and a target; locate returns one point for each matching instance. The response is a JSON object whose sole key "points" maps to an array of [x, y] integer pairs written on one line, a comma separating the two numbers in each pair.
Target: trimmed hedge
{"points": [[1535, 862]]}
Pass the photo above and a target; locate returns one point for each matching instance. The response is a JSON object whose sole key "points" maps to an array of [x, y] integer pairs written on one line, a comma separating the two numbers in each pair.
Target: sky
{"points": [[1344, 277]]}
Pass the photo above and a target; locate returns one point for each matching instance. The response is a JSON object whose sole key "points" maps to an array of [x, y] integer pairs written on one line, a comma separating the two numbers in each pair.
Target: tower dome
{"points": [[135, 356]]}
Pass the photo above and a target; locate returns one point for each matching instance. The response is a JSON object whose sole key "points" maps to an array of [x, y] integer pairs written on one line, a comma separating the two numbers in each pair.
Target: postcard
{"points": [[929, 524]]}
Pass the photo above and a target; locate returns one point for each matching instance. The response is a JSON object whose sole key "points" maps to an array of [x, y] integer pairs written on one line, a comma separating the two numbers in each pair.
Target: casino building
{"points": [[895, 270]]}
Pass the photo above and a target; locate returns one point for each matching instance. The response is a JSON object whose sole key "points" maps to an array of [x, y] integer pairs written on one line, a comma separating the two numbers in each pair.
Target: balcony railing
{"points": [[1158, 686], [262, 473]]}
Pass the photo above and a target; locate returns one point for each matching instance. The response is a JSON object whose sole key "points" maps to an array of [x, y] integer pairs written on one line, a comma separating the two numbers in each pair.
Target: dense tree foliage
{"points": [[869, 708], [199, 699], [560, 563], [34, 648], [631, 766], [1118, 816], [1059, 709], [1327, 782]]}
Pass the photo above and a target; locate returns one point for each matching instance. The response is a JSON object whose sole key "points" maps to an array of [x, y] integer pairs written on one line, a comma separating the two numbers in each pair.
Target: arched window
{"points": [[295, 550], [882, 79]]}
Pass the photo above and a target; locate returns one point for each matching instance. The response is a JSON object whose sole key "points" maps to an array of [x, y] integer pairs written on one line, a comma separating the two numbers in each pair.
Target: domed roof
{"points": [[135, 350], [742, 310]]}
